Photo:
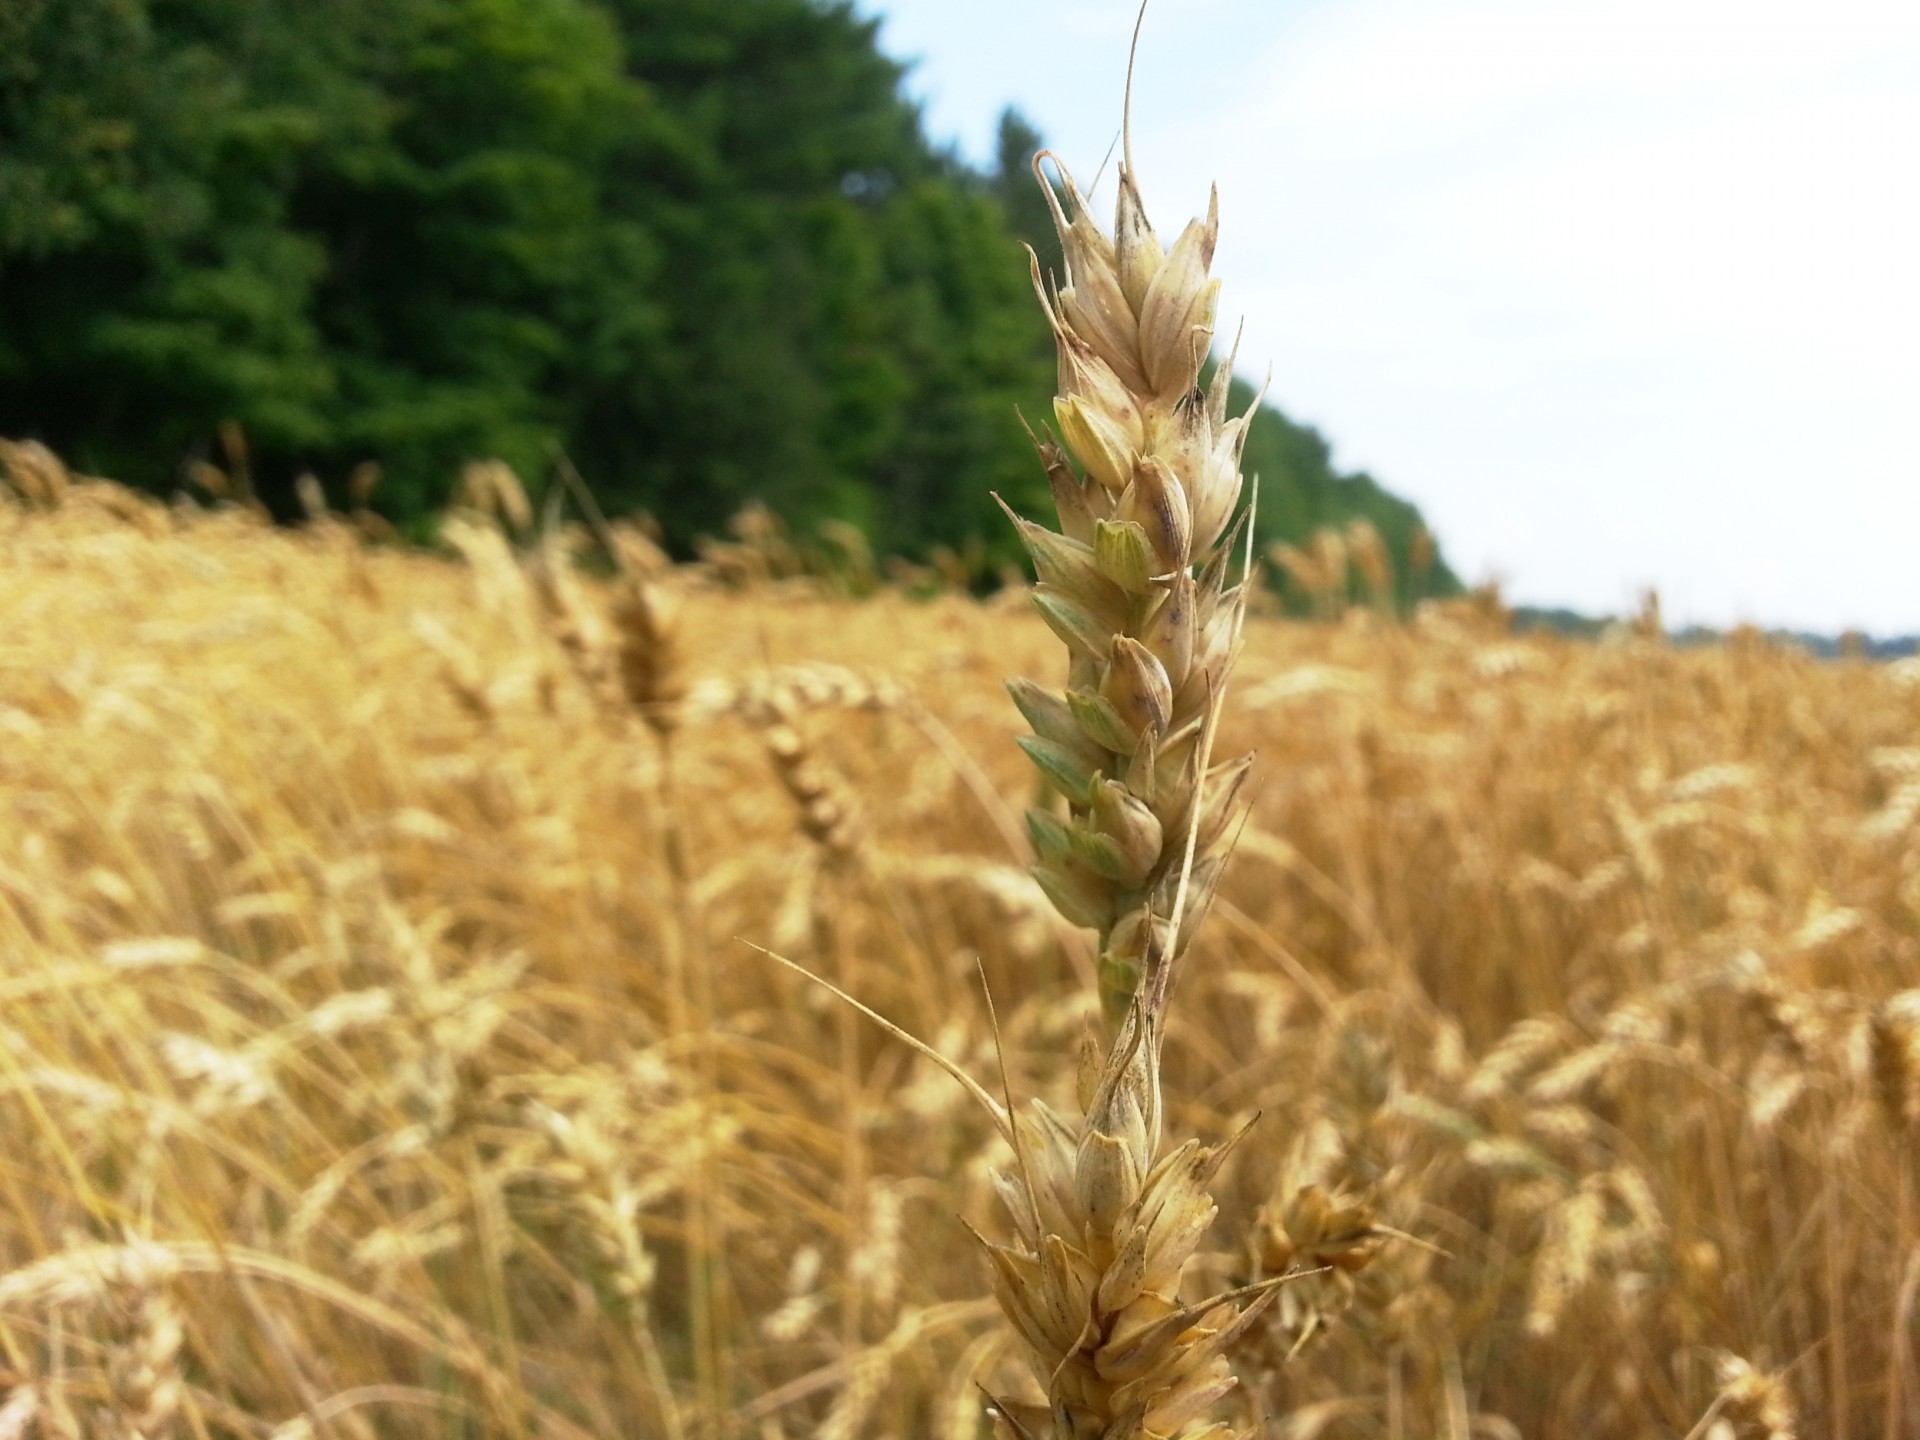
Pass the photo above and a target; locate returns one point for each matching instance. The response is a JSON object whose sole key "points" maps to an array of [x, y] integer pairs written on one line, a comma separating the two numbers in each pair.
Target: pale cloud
{"points": [[1621, 293]]}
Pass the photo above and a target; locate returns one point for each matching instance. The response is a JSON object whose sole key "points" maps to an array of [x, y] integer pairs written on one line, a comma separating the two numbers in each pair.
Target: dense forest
{"points": [[703, 250]]}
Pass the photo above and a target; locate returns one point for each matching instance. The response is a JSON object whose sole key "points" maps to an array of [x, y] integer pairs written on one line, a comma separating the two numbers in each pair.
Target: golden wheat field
{"points": [[388, 1045]]}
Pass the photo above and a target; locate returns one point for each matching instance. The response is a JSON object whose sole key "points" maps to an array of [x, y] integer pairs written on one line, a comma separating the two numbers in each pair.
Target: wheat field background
{"points": [[388, 1046]]}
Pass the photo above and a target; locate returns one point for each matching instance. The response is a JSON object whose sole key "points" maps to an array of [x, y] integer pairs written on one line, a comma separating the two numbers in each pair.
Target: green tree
{"points": [[705, 248], [370, 229], [848, 334], [145, 275]]}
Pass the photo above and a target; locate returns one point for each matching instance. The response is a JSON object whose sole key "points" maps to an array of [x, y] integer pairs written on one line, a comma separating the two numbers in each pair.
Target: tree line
{"points": [[705, 251]]}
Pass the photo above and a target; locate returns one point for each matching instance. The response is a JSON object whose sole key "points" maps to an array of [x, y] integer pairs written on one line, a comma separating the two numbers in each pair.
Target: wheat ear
{"points": [[1135, 583]]}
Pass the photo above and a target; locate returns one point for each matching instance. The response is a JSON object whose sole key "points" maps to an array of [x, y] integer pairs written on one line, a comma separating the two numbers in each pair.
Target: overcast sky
{"points": [[1620, 292]]}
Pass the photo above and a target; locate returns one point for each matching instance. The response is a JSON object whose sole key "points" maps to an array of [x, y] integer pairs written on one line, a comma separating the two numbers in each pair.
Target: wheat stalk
{"points": [[1135, 583]]}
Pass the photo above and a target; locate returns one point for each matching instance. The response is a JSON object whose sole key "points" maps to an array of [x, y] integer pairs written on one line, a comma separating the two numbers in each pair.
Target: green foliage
{"points": [[704, 248], [848, 336], [357, 229]]}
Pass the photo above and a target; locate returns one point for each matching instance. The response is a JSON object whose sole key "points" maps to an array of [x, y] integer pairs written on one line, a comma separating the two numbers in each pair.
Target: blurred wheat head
{"points": [[376, 1057]]}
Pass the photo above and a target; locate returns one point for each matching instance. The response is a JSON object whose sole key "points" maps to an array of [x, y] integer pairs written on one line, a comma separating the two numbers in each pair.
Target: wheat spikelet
{"points": [[646, 617], [128, 1286], [1893, 1056], [210, 479], [143, 1375], [1321, 569], [1330, 1235], [490, 489], [89, 1275], [1302, 570], [34, 473], [1106, 1224], [759, 554], [774, 702], [1149, 644], [1344, 1174], [1334, 554], [1420, 556], [584, 630], [824, 803], [804, 1302], [1371, 558], [633, 649], [312, 497], [766, 696], [1751, 1404]]}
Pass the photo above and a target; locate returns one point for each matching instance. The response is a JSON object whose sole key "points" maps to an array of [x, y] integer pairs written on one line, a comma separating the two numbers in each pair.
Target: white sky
{"points": [[1620, 292]]}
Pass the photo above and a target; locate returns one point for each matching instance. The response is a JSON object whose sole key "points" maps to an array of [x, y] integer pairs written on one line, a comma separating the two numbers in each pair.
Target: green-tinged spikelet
{"points": [[1135, 584]]}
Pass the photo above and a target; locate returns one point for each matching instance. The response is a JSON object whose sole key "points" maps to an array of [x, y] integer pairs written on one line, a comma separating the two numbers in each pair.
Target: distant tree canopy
{"points": [[705, 249]]}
